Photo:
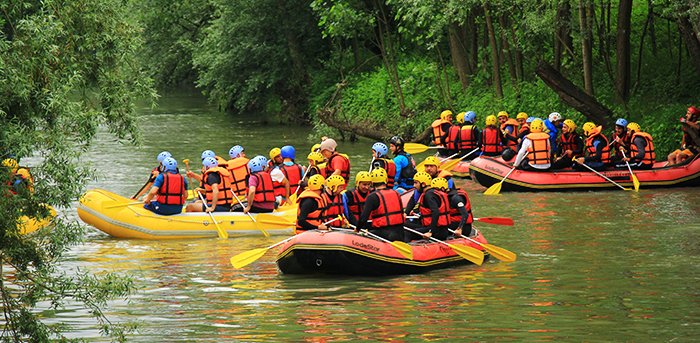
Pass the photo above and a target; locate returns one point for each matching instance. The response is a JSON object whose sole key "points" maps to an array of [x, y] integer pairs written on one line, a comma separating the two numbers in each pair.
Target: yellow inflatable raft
{"points": [[28, 225], [125, 218]]}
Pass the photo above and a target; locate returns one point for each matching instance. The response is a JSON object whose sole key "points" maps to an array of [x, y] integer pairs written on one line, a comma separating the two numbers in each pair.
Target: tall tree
{"points": [[585, 14], [495, 67], [622, 79]]}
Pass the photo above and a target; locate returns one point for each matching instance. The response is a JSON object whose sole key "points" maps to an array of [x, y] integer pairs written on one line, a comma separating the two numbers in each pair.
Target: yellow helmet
{"points": [[315, 156], [460, 117], [440, 183], [316, 182], [316, 147], [10, 163], [570, 124], [502, 114], [423, 178], [333, 182], [431, 161], [379, 175], [537, 125], [444, 114], [521, 115], [588, 127], [634, 127], [363, 176], [491, 120], [274, 152]]}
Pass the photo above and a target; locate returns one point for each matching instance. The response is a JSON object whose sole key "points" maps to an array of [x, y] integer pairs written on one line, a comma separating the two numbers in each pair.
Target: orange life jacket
{"points": [[649, 154], [455, 216], [626, 140], [390, 167], [523, 128], [540, 151], [461, 137], [444, 211], [514, 124], [225, 193], [491, 140], [567, 141], [344, 172], [357, 204], [390, 209], [170, 193], [438, 131], [238, 167], [264, 191], [293, 174], [315, 217], [605, 156], [334, 206]]}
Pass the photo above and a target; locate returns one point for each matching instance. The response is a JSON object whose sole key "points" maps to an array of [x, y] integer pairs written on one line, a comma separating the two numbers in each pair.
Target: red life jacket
{"points": [[525, 127], [649, 154], [390, 167], [491, 140], [444, 211], [540, 151], [567, 141], [461, 138], [334, 206], [225, 193], [390, 209], [170, 193], [512, 137], [238, 167], [626, 140], [455, 216], [293, 174], [358, 202], [605, 156], [264, 192], [345, 169], [315, 217], [438, 131]]}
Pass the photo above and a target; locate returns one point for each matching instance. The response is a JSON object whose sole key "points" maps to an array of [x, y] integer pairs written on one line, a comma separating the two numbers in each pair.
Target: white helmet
{"points": [[554, 116]]}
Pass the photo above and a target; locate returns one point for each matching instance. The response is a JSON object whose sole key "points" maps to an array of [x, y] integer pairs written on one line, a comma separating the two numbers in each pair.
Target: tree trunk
{"points": [[652, 30], [585, 11], [473, 39], [459, 54], [573, 95], [494, 52], [518, 55], [622, 80], [562, 34], [507, 51], [692, 41], [362, 128]]}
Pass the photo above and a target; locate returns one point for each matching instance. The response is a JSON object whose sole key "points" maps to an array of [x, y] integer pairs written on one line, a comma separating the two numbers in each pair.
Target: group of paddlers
{"points": [[554, 143]]}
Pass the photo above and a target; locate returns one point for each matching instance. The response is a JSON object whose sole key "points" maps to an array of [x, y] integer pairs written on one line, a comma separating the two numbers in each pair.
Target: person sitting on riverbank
{"points": [[689, 145], [169, 188], [641, 154], [380, 160], [569, 146], [465, 136], [237, 166], [311, 208], [619, 141], [217, 188], [405, 165], [354, 201], [535, 151], [432, 167], [491, 138], [338, 164], [597, 149], [383, 213]]}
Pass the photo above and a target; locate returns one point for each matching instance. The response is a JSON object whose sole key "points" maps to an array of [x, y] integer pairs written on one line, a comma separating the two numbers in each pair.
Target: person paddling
{"points": [[432, 167], [597, 148], [238, 168], [383, 213], [569, 146], [310, 212], [641, 154], [292, 171], [261, 194], [535, 151], [154, 173], [219, 196], [433, 207], [461, 216], [465, 136], [169, 188], [620, 141], [354, 200]]}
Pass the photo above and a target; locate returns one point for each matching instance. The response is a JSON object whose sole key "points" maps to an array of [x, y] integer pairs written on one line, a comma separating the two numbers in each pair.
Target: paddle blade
{"points": [[247, 257], [496, 220], [494, 189], [403, 248], [292, 198], [222, 233], [415, 148], [473, 255], [273, 220], [635, 182], [449, 165], [500, 253]]}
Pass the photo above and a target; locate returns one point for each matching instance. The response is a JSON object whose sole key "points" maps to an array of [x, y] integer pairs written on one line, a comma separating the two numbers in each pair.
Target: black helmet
{"points": [[396, 141], [508, 154]]}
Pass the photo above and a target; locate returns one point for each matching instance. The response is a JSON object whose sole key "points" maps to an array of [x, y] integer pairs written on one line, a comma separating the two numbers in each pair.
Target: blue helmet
{"points": [[256, 165], [530, 119], [380, 148], [163, 155], [288, 151], [207, 153], [210, 162], [235, 151], [470, 116], [621, 122], [170, 164]]}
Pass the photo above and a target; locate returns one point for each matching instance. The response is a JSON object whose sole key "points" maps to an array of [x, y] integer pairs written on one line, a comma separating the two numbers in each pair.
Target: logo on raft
{"points": [[365, 246], [494, 169]]}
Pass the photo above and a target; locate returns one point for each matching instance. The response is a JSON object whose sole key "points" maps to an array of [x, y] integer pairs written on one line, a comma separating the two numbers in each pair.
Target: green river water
{"points": [[607, 266]]}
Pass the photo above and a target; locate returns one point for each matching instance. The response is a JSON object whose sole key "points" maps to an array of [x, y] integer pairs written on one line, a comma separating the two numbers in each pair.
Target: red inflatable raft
{"points": [[343, 252], [488, 171]]}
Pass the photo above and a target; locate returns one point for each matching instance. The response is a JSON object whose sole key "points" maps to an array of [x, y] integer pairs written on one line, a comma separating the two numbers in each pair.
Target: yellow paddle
{"points": [[247, 257], [473, 255], [421, 166], [497, 252], [190, 194], [257, 226], [453, 163], [222, 234], [272, 219], [403, 248], [635, 182], [293, 197], [601, 175], [496, 188], [417, 148]]}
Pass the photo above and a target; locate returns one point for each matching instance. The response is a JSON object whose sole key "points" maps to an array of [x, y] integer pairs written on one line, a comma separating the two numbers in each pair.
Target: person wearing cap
{"points": [[641, 154], [216, 187], [597, 149], [261, 193], [569, 146], [553, 126], [689, 145], [491, 137], [382, 213], [404, 163], [338, 164], [432, 167], [535, 151], [620, 140], [169, 189]]}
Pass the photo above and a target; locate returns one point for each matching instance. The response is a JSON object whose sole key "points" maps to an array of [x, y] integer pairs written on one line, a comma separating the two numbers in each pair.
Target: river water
{"points": [[608, 266]]}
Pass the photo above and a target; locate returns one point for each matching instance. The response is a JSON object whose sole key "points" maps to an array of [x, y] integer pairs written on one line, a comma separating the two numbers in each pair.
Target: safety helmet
{"points": [[207, 153], [570, 124], [254, 165], [210, 162], [315, 182], [491, 120], [460, 117], [423, 178], [316, 147], [170, 164], [439, 183], [587, 128], [10, 163], [315, 156], [621, 122], [235, 151], [470, 117], [502, 114], [431, 161], [537, 125], [634, 127], [554, 116], [380, 148], [530, 119], [334, 181], [363, 176], [378, 175], [521, 115], [274, 152], [397, 141], [288, 151], [445, 114], [262, 159], [163, 155]]}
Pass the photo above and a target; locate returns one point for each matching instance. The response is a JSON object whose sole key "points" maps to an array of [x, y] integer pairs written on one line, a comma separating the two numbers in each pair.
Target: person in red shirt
{"points": [[338, 164]]}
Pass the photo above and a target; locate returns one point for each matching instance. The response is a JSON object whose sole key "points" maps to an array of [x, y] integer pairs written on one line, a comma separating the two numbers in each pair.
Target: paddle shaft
{"points": [[302, 179], [251, 216], [222, 234], [187, 169], [601, 175], [635, 182]]}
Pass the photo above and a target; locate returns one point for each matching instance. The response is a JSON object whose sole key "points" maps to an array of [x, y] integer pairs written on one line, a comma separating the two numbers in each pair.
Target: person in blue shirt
{"points": [[553, 124], [170, 188], [405, 165]]}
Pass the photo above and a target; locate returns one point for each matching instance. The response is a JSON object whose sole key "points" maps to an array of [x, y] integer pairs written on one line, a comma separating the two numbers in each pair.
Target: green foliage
{"points": [[65, 69]]}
